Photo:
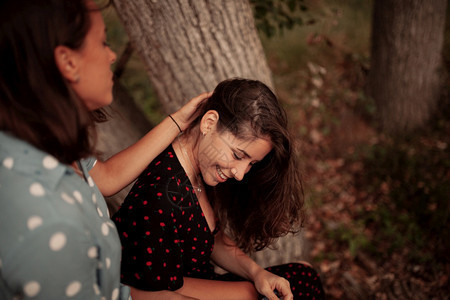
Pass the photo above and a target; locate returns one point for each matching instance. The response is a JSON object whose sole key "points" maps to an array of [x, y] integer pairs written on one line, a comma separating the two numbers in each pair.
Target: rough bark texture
{"points": [[406, 70], [189, 46]]}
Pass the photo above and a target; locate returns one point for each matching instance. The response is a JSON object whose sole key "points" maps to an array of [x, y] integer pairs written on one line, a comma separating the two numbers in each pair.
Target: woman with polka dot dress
{"points": [[56, 238], [227, 186]]}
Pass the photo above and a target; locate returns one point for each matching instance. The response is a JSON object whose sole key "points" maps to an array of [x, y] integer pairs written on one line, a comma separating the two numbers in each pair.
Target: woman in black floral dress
{"points": [[183, 209]]}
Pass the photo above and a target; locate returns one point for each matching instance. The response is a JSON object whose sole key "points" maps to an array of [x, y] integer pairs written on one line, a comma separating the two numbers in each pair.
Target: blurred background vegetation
{"points": [[379, 205]]}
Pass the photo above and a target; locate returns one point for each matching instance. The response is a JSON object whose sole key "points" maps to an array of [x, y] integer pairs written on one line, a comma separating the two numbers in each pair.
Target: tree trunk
{"points": [[407, 43], [188, 47]]}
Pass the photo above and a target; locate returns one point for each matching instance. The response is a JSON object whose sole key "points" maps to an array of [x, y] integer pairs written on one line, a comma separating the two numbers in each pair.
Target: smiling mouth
{"points": [[221, 174]]}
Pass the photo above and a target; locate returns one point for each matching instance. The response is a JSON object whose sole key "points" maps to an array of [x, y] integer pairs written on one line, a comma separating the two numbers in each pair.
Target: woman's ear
{"points": [[209, 121], [67, 62]]}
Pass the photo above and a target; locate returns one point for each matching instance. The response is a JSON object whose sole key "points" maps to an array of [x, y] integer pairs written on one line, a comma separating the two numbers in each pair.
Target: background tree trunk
{"points": [[188, 47], [407, 42]]}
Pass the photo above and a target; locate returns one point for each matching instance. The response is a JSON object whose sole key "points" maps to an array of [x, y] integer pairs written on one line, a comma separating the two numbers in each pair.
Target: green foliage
{"points": [[340, 28], [406, 208], [136, 80], [352, 236], [272, 16], [412, 180]]}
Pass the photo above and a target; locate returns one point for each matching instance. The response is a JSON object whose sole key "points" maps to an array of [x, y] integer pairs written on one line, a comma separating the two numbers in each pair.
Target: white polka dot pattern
{"points": [[32, 289], [33, 222], [105, 229], [49, 162], [78, 196], [57, 241], [73, 288], [92, 252], [37, 190], [96, 289], [8, 163], [115, 294], [67, 198], [108, 262]]}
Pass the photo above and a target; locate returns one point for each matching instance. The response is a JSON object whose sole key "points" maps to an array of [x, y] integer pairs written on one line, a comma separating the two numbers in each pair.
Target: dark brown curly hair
{"points": [[268, 202]]}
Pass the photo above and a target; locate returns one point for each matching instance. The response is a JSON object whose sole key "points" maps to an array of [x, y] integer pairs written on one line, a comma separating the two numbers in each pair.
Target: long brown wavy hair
{"points": [[268, 202], [36, 103]]}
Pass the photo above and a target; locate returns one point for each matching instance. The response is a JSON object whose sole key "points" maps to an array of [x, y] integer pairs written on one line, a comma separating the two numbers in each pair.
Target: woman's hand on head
{"points": [[266, 282], [185, 115]]}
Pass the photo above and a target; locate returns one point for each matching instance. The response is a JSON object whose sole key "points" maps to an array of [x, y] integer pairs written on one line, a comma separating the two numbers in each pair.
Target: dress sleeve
{"points": [[151, 254], [53, 261], [89, 162]]}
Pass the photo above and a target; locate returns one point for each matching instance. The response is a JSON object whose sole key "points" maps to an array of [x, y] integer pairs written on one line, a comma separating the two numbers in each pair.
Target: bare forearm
{"points": [[218, 290], [159, 295], [121, 169], [228, 256]]}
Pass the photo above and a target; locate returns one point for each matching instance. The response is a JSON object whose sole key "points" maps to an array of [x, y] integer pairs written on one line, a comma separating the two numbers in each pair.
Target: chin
{"points": [[96, 106], [211, 182], [208, 179], [109, 101]]}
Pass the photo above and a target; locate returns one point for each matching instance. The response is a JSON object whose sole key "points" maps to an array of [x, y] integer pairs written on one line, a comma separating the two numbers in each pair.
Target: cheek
{"points": [[248, 169], [208, 154], [208, 175], [203, 164]]}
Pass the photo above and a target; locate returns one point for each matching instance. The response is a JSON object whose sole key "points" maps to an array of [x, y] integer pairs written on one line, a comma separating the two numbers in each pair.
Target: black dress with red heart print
{"points": [[165, 236]]}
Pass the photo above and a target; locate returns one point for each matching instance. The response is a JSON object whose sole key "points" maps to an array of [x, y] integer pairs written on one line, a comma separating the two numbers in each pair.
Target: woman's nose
{"points": [[240, 170], [113, 56]]}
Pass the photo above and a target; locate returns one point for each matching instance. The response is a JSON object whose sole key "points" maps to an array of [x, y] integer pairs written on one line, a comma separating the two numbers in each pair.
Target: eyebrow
{"points": [[245, 153]]}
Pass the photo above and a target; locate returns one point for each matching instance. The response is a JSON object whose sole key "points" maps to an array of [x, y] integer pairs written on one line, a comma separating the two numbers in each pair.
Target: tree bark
{"points": [[407, 67], [188, 47]]}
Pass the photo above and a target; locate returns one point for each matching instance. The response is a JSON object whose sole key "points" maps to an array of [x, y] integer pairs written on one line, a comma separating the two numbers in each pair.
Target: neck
{"points": [[189, 148], [186, 150]]}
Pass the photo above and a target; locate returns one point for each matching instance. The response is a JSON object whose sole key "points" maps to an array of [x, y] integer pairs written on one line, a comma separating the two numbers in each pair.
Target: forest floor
{"points": [[378, 205]]}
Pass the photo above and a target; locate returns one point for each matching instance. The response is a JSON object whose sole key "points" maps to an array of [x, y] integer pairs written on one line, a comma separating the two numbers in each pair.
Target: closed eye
{"points": [[236, 156]]}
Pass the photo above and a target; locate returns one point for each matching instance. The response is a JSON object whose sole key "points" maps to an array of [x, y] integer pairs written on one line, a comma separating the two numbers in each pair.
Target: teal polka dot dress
{"points": [[56, 238]]}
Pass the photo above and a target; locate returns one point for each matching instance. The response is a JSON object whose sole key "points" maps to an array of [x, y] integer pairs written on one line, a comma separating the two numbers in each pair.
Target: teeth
{"points": [[219, 171]]}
